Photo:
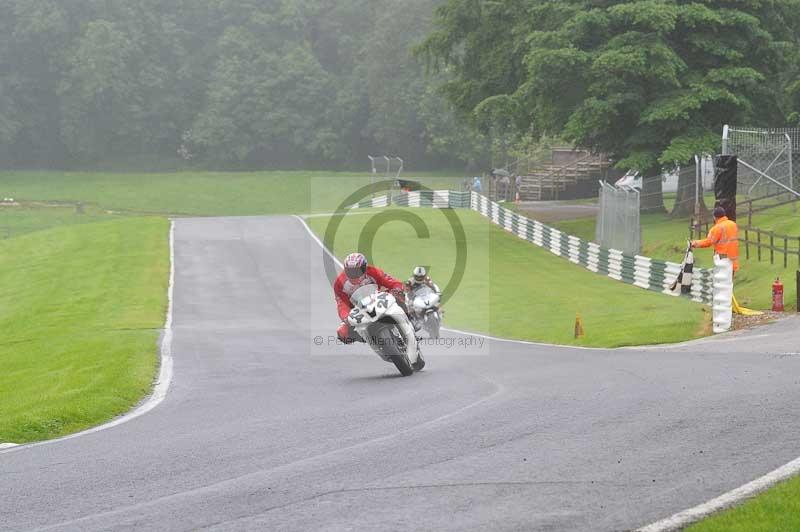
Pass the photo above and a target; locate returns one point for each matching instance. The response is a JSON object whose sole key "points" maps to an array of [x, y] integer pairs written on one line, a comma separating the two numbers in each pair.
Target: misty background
{"points": [[157, 84]]}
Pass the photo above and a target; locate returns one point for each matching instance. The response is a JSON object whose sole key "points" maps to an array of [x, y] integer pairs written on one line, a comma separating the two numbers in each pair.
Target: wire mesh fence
{"points": [[618, 222], [767, 158]]}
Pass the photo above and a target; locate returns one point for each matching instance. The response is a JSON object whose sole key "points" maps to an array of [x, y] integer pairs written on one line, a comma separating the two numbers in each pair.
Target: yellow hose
{"points": [[738, 309]]}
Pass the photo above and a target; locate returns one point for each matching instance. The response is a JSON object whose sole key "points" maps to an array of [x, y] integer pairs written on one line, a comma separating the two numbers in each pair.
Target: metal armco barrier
{"points": [[644, 272]]}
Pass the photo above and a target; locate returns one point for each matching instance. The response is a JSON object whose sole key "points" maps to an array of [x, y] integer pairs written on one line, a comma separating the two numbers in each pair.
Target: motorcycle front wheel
{"points": [[433, 325], [394, 346]]}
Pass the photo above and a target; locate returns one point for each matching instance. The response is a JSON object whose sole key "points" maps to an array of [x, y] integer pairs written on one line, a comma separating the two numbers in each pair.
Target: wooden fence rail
{"points": [[751, 206], [762, 241]]}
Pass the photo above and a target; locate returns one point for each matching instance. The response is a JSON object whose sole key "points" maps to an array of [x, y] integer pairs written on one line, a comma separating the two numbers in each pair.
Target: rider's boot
{"points": [[420, 363]]}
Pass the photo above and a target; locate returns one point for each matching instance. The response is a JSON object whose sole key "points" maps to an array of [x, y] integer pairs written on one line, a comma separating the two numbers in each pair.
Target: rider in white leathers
{"points": [[419, 279]]}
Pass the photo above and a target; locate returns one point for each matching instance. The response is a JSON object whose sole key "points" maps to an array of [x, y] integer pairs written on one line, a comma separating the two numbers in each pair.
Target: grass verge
{"points": [[80, 309], [200, 193], [775, 510], [665, 238], [514, 289], [31, 217]]}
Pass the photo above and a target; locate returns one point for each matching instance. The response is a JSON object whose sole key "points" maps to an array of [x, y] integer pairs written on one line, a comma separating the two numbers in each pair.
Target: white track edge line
{"points": [[726, 500], [510, 340], [466, 333], [527, 342], [318, 241], [680, 519], [164, 374]]}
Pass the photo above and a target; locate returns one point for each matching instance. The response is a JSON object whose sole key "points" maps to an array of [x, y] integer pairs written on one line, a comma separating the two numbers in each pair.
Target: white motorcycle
{"points": [[383, 324], [425, 305]]}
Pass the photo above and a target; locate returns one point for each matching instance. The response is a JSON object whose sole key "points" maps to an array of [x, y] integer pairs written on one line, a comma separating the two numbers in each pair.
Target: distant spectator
{"points": [[506, 182], [476, 184]]}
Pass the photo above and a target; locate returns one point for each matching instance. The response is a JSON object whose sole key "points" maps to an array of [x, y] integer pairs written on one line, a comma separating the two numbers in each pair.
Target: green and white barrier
{"points": [[380, 201], [644, 272], [437, 199]]}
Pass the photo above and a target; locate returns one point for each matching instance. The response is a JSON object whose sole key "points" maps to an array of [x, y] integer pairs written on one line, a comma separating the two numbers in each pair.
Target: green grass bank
{"points": [[665, 238], [201, 193], [81, 307], [516, 290], [777, 510]]}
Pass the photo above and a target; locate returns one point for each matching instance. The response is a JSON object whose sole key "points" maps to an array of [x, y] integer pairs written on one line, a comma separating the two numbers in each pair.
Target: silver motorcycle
{"points": [[425, 309]]}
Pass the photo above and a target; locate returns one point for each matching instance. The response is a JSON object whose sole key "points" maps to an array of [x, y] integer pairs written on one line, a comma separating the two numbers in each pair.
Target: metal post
{"points": [[372, 175], [797, 292], [388, 172], [697, 172], [725, 131], [791, 176], [638, 222], [598, 232]]}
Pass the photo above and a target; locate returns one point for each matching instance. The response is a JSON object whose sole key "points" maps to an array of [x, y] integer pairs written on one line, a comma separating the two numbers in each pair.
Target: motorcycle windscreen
{"points": [[362, 293], [424, 291]]}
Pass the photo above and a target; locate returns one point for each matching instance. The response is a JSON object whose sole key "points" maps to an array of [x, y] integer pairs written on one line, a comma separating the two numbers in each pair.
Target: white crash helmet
{"points": [[420, 274]]}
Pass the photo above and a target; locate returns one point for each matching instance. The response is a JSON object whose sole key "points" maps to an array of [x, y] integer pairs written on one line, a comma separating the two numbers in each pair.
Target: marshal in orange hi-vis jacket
{"points": [[724, 236]]}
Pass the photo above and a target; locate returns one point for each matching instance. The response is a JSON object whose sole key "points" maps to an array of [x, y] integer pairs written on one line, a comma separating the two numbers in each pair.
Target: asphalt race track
{"points": [[264, 430]]}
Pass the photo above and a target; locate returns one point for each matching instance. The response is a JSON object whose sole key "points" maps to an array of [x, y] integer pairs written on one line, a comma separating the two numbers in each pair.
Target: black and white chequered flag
{"points": [[684, 279]]}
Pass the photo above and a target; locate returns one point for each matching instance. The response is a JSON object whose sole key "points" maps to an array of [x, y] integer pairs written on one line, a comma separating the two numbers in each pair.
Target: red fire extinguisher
{"points": [[777, 295]]}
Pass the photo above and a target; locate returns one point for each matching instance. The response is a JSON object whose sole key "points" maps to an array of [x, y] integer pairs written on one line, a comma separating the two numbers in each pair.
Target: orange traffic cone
{"points": [[578, 326]]}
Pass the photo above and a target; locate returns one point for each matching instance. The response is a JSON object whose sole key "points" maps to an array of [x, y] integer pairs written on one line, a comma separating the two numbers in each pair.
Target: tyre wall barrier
{"points": [[644, 272]]}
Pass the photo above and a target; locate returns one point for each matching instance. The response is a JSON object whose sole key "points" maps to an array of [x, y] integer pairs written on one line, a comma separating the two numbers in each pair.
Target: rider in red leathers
{"points": [[357, 273]]}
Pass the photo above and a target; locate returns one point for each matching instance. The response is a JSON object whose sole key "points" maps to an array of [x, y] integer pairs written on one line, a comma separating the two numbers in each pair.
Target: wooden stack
{"points": [[548, 181]]}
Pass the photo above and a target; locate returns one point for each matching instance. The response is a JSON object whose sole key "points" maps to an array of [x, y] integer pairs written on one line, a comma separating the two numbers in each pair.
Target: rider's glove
{"points": [[399, 295]]}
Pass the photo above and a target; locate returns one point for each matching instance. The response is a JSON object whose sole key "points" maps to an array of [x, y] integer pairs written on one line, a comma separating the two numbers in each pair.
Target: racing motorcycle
{"points": [[425, 305], [383, 324]]}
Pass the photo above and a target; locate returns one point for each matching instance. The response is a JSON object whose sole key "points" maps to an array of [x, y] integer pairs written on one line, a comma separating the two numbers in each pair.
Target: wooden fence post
{"points": [[758, 231], [747, 243], [785, 251], [772, 247]]}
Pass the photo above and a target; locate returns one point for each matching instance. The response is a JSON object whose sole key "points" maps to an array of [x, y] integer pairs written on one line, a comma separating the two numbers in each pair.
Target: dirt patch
{"points": [[707, 326], [749, 322]]}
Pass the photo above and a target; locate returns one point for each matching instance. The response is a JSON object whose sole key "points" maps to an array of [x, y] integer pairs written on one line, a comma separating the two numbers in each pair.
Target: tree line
{"points": [[649, 82], [223, 83], [324, 83]]}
